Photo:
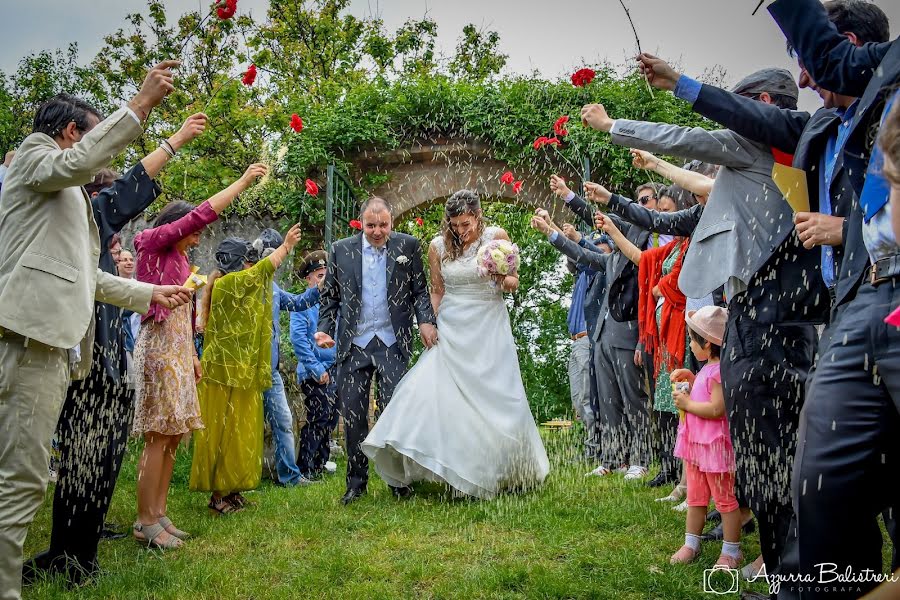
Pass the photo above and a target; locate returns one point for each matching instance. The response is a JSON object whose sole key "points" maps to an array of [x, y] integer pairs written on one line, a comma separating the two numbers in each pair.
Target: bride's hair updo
{"points": [[463, 202]]}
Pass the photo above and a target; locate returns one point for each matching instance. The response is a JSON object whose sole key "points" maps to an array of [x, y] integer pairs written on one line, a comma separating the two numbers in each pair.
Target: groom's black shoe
{"points": [[401, 492], [352, 495]]}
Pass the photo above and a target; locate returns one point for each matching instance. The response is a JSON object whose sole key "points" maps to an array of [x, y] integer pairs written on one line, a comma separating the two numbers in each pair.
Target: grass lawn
{"points": [[574, 538]]}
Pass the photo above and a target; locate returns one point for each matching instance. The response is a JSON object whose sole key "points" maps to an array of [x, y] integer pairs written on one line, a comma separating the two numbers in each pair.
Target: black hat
{"points": [[231, 254], [313, 261]]}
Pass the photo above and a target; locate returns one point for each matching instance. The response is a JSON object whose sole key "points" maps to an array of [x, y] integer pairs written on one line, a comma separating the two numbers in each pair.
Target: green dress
{"points": [[237, 368], [663, 401]]}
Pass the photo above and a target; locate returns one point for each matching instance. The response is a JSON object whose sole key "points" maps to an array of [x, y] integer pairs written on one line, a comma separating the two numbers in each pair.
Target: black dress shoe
{"points": [[661, 479], [42, 565], [401, 492], [351, 496], [716, 532], [111, 531], [713, 516], [45, 565]]}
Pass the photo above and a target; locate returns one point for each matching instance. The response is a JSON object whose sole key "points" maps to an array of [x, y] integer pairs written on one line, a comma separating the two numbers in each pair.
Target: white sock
{"points": [[692, 541], [732, 549]]}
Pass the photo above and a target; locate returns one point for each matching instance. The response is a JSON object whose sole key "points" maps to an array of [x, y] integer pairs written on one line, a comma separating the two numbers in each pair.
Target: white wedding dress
{"points": [[460, 415]]}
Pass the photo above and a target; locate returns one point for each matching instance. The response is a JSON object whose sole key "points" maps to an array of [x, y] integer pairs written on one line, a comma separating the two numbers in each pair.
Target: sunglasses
{"points": [[645, 199]]}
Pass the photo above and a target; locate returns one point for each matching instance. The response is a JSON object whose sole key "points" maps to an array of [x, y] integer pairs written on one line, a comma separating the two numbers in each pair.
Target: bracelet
{"points": [[165, 145]]}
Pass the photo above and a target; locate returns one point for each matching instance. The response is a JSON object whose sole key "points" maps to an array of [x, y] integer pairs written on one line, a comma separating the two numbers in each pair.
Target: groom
{"points": [[374, 285]]}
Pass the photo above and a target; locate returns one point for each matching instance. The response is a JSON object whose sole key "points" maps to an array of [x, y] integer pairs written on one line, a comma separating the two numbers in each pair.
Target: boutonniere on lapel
{"points": [[402, 259]]}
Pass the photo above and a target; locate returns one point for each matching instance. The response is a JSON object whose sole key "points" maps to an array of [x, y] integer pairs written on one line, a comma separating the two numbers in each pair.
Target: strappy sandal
{"points": [[170, 528], [236, 500], [151, 533], [222, 507]]}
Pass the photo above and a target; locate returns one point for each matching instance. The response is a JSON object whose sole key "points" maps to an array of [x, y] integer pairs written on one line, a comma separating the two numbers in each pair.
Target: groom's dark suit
{"points": [[341, 309]]}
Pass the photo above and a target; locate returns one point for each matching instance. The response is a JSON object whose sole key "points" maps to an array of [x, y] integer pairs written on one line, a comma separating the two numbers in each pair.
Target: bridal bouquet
{"points": [[498, 257]]}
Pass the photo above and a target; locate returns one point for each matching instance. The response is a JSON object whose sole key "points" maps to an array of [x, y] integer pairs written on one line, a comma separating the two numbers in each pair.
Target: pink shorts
{"points": [[701, 485]]}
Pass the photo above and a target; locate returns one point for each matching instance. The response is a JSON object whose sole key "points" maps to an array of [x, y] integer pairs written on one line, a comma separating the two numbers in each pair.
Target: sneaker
{"points": [[670, 498], [600, 471], [53, 476], [681, 507], [635, 472], [335, 449], [752, 570], [623, 469], [331, 466]]}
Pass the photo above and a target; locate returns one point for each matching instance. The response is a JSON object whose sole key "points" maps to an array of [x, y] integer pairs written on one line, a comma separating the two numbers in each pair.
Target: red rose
{"points": [[226, 9], [296, 123], [582, 77], [507, 178], [311, 188], [559, 127], [355, 224], [419, 221], [249, 76], [545, 141], [517, 187]]}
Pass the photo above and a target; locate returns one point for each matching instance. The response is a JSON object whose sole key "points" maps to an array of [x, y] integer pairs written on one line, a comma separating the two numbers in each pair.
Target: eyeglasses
{"points": [[645, 199]]}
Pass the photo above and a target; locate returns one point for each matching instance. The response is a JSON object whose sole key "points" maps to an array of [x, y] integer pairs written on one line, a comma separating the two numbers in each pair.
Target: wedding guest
{"points": [[751, 248], [275, 403], [622, 400], [49, 281], [661, 329], [165, 358], [96, 416], [315, 374], [125, 264], [704, 442], [237, 368]]}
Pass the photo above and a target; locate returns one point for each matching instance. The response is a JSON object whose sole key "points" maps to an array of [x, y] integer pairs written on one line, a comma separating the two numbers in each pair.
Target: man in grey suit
{"points": [[744, 238], [374, 287], [622, 401], [49, 280]]}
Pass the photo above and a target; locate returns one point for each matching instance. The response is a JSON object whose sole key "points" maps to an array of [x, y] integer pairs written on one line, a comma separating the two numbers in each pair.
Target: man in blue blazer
{"points": [[314, 374]]}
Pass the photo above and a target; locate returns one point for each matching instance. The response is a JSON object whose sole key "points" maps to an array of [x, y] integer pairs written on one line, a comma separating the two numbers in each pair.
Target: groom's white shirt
{"points": [[374, 317]]}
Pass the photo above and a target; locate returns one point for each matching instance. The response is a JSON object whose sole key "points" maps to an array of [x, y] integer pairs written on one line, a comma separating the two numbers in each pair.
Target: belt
{"points": [[883, 269], [578, 336]]}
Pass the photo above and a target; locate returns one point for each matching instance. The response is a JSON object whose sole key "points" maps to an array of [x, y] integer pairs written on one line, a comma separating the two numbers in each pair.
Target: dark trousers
{"points": [[764, 369], [624, 415], [93, 433], [667, 426], [321, 419], [376, 361], [594, 450], [845, 471]]}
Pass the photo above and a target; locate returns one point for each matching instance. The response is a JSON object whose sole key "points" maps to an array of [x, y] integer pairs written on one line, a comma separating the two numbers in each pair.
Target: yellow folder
{"points": [[792, 184]]}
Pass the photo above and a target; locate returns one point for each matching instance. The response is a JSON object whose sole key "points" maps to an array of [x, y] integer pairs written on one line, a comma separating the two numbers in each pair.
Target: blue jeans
{"points": [[278, 416]]}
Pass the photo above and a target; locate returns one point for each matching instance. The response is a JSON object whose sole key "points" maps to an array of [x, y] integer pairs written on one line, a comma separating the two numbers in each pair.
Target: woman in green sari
{"points": [[236, 367]]}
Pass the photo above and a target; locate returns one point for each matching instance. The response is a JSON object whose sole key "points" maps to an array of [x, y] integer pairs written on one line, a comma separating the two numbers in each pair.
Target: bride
{"points": [[460, 415]]}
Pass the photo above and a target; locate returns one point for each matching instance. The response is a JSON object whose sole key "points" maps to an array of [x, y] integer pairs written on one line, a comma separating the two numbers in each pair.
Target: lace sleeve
{"points": [[438, 244]]}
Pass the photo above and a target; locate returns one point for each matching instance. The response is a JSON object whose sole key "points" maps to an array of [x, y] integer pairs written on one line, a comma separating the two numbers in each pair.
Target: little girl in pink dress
{"points": [[704, 442]]}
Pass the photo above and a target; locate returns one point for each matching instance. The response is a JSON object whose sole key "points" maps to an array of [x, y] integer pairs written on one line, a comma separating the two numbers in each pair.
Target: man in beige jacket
{"points": [[49, 280]]}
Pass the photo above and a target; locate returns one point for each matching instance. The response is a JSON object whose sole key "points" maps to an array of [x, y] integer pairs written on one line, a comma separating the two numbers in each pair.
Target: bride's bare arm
{"points": [[437, 280], [508, 283]]}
